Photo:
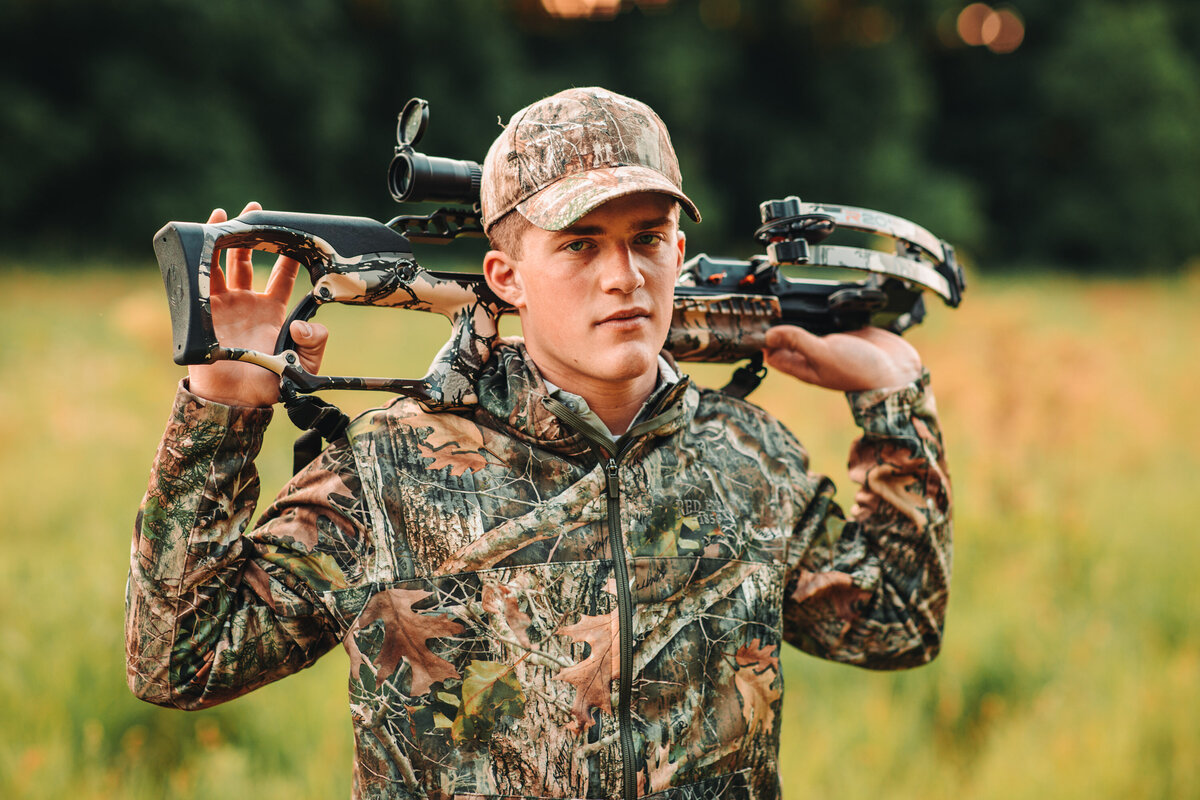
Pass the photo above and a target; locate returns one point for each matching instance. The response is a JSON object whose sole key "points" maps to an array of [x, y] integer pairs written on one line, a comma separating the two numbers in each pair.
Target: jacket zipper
{"points": [[614, 452], [616, 543]]}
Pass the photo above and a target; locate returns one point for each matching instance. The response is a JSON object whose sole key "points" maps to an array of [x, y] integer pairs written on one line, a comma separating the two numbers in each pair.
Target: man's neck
{"points": [[616, 403]]}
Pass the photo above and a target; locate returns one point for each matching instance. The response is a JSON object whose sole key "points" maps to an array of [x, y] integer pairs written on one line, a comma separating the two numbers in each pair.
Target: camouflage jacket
{"points": [[529, 609]]}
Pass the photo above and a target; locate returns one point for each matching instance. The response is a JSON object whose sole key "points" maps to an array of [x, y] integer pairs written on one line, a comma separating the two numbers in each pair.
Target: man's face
{"points": [[595, 298]]}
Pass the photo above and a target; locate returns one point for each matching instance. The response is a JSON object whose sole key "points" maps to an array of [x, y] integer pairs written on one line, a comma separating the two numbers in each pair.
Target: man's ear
{"points": [[500, 272], [681, 244]]}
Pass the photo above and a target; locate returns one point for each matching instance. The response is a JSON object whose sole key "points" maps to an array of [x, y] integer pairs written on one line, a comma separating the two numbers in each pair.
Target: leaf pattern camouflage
{"points": [[566, 154], [463, 561]]}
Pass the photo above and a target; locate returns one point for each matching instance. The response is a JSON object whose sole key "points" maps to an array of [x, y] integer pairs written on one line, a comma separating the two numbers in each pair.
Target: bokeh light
{"points": [[1003, 31], [1000, 30], [582, 9], [595, 9], [970, 22]]}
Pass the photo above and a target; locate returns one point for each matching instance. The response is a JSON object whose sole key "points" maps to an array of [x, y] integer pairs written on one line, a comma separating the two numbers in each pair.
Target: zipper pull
{"points": [[614, 486]]}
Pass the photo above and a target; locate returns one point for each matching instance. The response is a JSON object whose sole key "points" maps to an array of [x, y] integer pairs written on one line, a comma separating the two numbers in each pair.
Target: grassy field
{"points": [[1072, 661]]}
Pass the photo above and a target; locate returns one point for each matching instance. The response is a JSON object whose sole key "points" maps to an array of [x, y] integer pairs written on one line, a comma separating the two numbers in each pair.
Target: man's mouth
{"points": [[628, 315]]}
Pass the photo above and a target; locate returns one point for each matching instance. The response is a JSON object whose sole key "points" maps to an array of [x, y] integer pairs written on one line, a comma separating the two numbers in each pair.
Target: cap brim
{"points": [[569, 199]]}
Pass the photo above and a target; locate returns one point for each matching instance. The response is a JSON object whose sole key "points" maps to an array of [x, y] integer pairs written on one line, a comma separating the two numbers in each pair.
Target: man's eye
{"points": [[578, 247], [648, 238]]}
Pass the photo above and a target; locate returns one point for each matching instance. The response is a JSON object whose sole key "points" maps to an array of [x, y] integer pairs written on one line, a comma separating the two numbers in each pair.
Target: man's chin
{"points": [[616, 364], [628, 363]]}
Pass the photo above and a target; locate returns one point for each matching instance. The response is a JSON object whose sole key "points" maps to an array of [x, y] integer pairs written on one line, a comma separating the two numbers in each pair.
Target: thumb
{"points": [[795, 351], [310, 338], [791, 337]]}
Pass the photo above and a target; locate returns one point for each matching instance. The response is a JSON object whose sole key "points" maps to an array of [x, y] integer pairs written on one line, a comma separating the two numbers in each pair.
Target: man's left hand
{"points": [[856, 361]]}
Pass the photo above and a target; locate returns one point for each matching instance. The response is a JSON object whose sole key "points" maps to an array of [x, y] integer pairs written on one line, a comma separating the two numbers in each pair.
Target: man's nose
{"points": [[621, 272]]}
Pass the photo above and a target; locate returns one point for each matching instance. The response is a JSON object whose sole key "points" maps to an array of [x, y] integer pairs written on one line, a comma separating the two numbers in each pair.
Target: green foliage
{"points": [[1074, 149], [1124, 105]]}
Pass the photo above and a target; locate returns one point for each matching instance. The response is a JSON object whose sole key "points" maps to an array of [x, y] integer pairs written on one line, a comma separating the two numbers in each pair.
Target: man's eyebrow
{"points": [[653, 222], [595, 230], [580, 230]]}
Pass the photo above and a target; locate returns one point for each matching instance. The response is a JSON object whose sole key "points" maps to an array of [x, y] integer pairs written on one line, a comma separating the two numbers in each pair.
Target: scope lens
{"points": [[400, 178]]}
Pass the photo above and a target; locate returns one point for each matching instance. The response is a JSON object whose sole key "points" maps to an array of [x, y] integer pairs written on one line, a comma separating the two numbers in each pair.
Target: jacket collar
{"points": [[513, 398]]}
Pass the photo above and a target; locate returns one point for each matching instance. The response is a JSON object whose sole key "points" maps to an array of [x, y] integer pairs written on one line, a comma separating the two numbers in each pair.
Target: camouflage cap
{"points": [[568, 153]]}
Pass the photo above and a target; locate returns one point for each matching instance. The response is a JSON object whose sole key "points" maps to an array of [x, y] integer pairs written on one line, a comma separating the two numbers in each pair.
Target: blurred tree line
{"points": [[1073, 150]]}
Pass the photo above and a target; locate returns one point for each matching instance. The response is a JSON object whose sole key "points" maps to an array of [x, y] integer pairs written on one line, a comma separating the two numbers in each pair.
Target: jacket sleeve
{"points": [[214, 610], [872, 590]]}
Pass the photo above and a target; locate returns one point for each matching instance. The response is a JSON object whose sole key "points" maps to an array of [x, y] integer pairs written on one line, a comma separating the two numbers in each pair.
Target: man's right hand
{"points": [[245, 318]]}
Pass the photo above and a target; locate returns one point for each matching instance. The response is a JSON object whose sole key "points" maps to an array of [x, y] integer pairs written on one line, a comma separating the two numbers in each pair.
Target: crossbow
{"points": [[722, 308]]}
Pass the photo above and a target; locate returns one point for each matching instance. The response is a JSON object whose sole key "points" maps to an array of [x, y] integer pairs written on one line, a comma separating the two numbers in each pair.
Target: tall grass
{"points": [[1071, 666]]}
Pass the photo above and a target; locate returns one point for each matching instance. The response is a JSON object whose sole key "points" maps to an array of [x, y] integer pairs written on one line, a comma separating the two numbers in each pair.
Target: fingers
{"points": [[239, 268], [239, 265], [797, 352], [283, 278], [216, 277], [792, 363]]}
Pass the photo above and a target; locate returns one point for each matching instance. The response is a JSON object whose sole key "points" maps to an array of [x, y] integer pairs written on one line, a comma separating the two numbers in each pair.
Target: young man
{"points": [[578, 588]]}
